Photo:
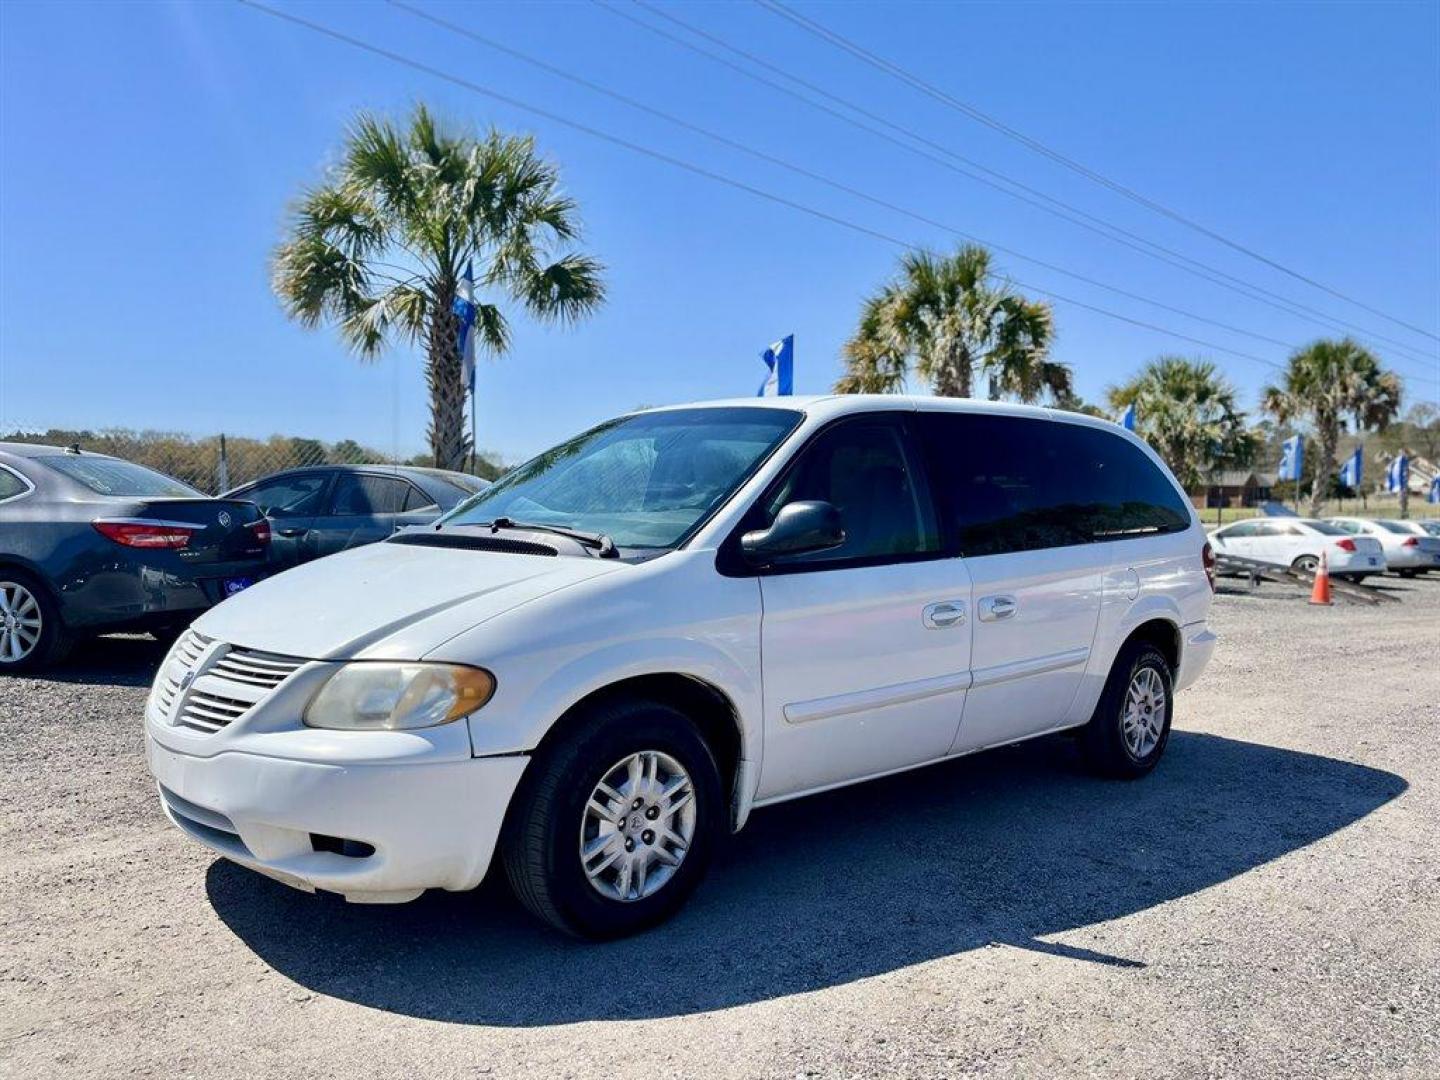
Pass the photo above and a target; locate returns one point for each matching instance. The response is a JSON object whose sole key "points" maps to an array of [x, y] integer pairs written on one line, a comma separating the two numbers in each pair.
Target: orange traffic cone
{"points": [[1320, 594]]}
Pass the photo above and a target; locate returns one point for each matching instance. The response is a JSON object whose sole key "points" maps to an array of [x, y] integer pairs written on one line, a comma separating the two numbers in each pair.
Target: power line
{"points": [[898, 72], [801, 170], [1051, 205], [740, 185]]}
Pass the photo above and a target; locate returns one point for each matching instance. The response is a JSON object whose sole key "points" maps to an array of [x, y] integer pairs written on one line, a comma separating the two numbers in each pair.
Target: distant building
{"points": [[1231, 488]]}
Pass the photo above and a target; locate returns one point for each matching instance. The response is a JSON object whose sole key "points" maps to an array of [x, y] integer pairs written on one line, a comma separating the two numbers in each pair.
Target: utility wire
{"points": [[698, 170], [800, 170], [898, 72], [1059, 208], [634, 147]]}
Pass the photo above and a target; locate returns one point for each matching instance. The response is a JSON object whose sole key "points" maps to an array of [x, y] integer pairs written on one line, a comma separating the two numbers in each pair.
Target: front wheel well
{"points": [[708, 707], [1163, 634]]}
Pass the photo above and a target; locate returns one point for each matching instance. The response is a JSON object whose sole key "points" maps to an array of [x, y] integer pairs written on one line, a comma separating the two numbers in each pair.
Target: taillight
{"points": [[261, 529], [1345, 545], [145, 534], [1411, 541], [1207, 556]]}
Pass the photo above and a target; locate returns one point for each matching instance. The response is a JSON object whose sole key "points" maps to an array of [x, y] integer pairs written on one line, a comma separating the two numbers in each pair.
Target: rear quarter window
{"points": [[11, 485], [1020, 484]]}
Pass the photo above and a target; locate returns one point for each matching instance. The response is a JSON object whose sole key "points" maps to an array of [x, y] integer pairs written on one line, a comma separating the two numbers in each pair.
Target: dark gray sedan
{"points": [[90, 543], [327, 508]]}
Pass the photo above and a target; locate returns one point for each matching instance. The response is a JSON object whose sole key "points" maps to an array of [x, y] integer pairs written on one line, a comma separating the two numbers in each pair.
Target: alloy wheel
{"points": [[21, 622], [1144, 717], [637, 826]]}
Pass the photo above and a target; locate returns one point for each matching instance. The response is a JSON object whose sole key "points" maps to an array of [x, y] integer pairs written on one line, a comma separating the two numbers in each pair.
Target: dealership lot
{"points": [[1266, 904]]}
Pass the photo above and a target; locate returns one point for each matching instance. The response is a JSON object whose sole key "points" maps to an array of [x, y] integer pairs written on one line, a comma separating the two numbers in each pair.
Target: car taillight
{"points": [[144, 534], [1345, 545], [261, 529], [1411, 541], [1207, 556]]}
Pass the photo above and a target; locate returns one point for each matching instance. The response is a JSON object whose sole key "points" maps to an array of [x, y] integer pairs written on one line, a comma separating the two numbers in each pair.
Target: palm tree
{"points": [[1187, 411], [1326, 383], [945, 317], [379, 249]]}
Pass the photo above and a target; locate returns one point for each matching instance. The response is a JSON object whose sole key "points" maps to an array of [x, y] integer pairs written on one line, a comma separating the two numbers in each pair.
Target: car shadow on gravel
{"points": [[129, 660], [1004, 847]]}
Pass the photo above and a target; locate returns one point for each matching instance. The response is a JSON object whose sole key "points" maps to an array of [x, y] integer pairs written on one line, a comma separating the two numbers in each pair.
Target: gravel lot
{"points": [[1266, 904]]}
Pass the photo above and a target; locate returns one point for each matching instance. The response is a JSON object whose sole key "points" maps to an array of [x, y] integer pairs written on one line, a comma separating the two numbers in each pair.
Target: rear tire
{"points": [[1407, 573], [1306, 564], [564, 844], [32, 636], [1130, 728]]}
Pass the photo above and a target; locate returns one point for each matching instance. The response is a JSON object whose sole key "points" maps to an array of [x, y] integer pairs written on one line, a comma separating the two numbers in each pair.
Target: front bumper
{"points": [[431, 824]]}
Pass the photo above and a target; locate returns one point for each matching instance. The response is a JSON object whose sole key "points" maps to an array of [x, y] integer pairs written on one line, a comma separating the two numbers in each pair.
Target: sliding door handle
{"points": [[995, 608], [944, 613]]}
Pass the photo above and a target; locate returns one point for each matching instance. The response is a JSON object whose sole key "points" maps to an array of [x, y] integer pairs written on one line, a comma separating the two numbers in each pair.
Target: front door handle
{"points": [[943, 613], [995, 608]]}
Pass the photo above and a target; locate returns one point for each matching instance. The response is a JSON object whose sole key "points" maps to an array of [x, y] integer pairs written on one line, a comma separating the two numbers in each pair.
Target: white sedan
{"points": [[1298, 543], [1409, 549]]}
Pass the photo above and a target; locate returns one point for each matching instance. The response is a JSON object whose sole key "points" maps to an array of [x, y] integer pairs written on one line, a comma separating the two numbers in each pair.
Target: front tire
{"points": [[1130, 728], [615, 823], [32, 637]]}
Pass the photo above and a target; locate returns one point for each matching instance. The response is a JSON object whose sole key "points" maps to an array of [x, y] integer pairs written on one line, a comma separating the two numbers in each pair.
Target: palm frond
{"points": [[564, 291]]}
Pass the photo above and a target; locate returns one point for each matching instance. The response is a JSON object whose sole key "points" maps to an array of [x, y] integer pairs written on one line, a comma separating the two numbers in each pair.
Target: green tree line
{"points": [[196, 460]]}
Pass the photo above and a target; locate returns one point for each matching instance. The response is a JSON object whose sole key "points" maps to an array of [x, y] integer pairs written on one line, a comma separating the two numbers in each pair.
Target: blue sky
{"points": [[148, 153]]}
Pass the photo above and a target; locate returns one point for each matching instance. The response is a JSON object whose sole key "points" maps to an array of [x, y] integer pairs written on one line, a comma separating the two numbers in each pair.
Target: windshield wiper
{"points": [[603, 545]]}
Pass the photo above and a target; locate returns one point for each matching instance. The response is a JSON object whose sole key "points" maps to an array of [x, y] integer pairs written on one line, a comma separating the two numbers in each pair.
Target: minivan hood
{"points": [[388, 601]]}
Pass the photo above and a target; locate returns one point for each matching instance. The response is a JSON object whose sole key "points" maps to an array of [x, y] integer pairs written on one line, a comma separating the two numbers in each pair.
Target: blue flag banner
{"points": [[1397, 477], [1127, 419], [1433, 495], [780, 359], [464, 307], [1353, 471], [1292, 456]]}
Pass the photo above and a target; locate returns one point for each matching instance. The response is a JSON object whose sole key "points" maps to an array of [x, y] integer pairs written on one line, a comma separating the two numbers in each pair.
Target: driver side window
{"points": [[288, 496], [867, 470]]}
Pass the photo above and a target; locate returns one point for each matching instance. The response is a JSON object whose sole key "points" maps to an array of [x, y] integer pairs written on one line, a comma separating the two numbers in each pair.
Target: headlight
{"points": [[366, 696]]}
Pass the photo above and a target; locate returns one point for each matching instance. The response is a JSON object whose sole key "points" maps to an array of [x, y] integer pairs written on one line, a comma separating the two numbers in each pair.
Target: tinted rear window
{"points": [[110, 476], [1326, 528], [1017, 484]]}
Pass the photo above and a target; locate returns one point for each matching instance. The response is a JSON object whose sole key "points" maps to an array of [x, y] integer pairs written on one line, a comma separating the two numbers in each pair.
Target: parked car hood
{"points": [[388, 601]]}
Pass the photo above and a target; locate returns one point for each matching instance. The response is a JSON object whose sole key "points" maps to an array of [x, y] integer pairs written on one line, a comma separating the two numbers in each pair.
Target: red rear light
{"points": [[1207, 556], [261, 529], [1411, 541], [1345, 545], [144, 534]]}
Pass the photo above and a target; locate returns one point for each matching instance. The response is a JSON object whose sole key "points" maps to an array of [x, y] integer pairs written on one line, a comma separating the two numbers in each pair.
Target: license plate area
{"points": [[231, 585]]}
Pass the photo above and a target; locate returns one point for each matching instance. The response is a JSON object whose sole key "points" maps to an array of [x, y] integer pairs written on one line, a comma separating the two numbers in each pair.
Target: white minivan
{"points": [[602, 663]]}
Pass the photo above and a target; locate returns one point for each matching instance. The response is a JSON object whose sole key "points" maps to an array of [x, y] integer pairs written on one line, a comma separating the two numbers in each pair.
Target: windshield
{"points": [[645, 481], [1325, 528], [111, 476]]}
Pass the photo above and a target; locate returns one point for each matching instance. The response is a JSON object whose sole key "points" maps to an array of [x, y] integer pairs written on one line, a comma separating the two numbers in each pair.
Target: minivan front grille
{"points": [[255, 668], [207, 686], [211, 712]]}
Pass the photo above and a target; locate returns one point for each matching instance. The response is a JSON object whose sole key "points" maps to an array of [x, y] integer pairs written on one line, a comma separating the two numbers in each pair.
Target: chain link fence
{"points": [[217, 463]]}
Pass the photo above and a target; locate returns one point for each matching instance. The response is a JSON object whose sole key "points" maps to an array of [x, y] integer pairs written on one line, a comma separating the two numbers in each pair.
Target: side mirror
{"points": [[798, 527]]}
